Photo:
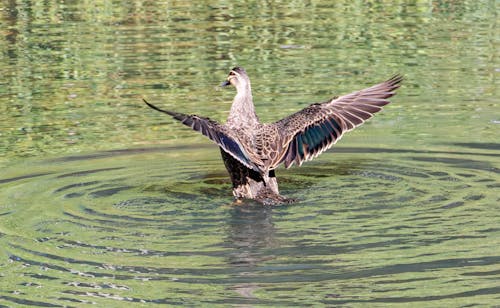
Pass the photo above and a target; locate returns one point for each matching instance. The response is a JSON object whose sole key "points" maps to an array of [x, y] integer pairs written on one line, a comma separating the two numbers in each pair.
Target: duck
{"points": [[252, 150]]}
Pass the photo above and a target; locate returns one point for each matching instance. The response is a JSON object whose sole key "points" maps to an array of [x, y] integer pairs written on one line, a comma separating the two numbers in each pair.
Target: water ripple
{"points": [[101, 230]]}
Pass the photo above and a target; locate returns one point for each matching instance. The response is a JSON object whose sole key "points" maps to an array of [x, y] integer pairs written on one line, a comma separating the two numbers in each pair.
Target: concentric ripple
{"points": [[158, 226]]}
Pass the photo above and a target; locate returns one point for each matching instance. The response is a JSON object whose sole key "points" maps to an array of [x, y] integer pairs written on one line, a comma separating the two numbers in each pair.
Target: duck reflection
{"points": [[251, 235], [250, 231]]}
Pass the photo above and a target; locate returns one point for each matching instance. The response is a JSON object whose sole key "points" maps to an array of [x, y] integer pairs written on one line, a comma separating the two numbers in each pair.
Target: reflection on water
{"points": [[147, 226], [104, 202], [60, 94], [249, 231]]}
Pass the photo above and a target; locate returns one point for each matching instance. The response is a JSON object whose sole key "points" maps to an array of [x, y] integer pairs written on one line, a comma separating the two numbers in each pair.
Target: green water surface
{"points": [[105, 202]]}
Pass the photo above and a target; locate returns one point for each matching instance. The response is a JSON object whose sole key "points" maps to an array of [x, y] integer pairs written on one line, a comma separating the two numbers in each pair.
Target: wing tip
{"points": [[152, 106], [176, 115], [395, 81]]}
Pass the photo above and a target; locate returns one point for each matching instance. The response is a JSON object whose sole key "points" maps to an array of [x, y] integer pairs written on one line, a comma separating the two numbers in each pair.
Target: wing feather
{"points": [[215, 132], [316, 128]]}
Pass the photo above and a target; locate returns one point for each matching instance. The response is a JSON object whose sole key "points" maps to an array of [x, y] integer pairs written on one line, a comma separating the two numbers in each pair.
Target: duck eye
{"points": [[231, 73]]}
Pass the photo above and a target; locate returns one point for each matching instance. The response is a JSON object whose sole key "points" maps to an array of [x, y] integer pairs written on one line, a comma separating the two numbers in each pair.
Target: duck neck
{"points": [[242, 113]]}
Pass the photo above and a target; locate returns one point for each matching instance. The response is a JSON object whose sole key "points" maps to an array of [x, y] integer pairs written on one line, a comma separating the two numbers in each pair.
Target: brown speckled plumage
{"points": [[252, 150]]}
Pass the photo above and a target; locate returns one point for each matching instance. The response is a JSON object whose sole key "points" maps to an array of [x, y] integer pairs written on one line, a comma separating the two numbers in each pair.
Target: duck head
{"points": [[238, 78]]}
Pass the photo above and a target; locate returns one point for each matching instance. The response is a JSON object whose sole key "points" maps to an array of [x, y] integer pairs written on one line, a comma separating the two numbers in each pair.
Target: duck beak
{"points": [[225, 84]]}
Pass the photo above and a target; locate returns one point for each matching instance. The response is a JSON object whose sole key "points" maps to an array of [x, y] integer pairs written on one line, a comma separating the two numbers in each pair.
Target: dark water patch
{"points": [[409, 299], [141, 202], [213, 178], [27, 302], [453, 205], [429, 265], [372, 209], [325, 212], [377, 175], [37, 263], [485, 273], [179, 195], [438, 173], [334, 248], [397, 228], [363, 150], [118, 220], [282, 289], [92, 222], [178, 192], [43, 239], [459, 163], [424, 218], [106, 225], [316, 169], [131, 151], [107, 184], [75, 300], [138, 252], [324, 273], [249, 302], [485, 181], [30, 284], [489, 230], [401, 170], [166, 213], [116, 217], [40, 276], [318, 274], [401, 281], [479, 145], [178, 274], [76, 185], [449, 179], [105, 295], [466, 175], [154, 206], [28, 176], [380, 194], [87, 172], [474, 197], [109, 192], [437, 199], [57, 258], [73, 195], [110, 272], [393, 290], [398, 239], [442, 239]]}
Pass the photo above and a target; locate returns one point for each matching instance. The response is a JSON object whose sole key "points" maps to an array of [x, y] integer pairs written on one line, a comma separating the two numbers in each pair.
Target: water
{"points": [[104, 201]]}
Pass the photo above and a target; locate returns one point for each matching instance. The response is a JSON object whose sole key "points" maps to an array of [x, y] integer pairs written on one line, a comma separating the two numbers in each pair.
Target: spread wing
{"points": [[214, 131], [316, 128]]}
